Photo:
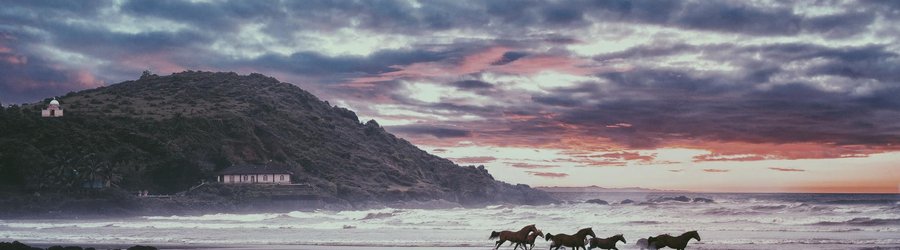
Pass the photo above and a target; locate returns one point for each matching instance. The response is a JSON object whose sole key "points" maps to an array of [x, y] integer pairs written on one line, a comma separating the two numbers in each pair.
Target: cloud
{"points": [[439, 132], [24, 78], [313, 63], [787, 169], [472, 84], [712, 170], [509, 57], [529, 165], [473, 159], [628, 156], [742, 80], [547, 174]]}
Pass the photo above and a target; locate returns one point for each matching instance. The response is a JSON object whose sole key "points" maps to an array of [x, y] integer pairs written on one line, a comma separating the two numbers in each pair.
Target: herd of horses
{"points": [[526, 236]]}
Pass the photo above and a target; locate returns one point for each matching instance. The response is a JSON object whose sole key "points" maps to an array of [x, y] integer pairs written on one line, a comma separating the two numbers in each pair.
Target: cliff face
{"points": [[167, 133]]}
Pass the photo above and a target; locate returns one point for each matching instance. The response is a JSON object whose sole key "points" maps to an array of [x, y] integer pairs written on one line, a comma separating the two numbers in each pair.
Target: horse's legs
{"points": [[499, 242]]}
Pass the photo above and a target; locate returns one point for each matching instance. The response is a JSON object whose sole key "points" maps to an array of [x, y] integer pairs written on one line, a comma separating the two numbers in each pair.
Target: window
{"points": [[265, 178], [246, 177], [282, 177], [231, 178]]}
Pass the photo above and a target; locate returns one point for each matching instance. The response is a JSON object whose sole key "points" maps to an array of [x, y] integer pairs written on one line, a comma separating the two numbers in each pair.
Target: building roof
{"points": [[255, 169]]}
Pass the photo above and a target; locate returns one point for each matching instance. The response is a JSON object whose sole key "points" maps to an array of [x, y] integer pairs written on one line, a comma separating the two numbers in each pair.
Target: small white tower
{"points": [[52, 110]]}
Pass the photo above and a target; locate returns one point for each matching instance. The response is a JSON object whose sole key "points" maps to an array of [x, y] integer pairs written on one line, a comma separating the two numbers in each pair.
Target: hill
{"points": [[166, 134]]}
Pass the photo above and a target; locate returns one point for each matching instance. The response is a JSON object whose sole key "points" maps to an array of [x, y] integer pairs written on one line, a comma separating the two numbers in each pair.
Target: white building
{"points": [[251, 174], [52, 110]]}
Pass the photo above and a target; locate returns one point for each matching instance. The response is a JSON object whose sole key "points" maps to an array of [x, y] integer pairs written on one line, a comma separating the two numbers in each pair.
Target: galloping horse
{"points": [[574, 241], [679, 242], [530, 240], [517, 237], [608, 243]]}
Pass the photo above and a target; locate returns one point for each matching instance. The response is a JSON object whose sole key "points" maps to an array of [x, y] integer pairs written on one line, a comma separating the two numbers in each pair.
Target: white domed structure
{"points": [[53, 110]]}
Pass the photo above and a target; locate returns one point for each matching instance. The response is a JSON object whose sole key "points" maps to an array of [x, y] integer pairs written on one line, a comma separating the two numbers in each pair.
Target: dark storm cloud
{"points": [[472, 84], [403, 17], [840, 25], [688, 108], [439, 132], [110, 45], [684, 103], [562, 14], [555, 100], [731, 17], [312, 63], [29, 79], [509, 57], [225, 15]]}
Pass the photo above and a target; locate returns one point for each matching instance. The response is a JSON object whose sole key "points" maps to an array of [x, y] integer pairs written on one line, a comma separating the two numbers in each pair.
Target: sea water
{"points": [[848, 221]]}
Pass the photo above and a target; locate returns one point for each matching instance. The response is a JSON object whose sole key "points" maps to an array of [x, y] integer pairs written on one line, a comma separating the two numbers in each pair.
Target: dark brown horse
{"points": [[679, 242], [530, 240], [608, 243], [575, 241], [517, 237]]}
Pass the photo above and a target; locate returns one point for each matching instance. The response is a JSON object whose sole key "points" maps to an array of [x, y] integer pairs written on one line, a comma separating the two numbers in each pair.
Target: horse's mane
{"points": [[584, 231]]}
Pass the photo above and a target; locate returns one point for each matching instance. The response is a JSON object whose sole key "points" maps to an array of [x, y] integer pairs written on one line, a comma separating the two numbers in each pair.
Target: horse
{"points": [[642, 243], [530, 240], [574, 241], [517, 237], [680, 242], [608, 243]]}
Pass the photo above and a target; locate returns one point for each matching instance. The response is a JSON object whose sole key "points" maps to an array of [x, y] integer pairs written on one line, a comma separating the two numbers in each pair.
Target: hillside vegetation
{"points": [[166, 134]]}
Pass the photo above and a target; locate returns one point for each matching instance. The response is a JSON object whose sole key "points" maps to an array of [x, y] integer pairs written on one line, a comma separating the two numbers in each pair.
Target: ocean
{"points": [[724, 221]]}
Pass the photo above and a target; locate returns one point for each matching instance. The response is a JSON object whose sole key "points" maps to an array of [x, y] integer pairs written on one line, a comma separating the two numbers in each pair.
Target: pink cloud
{"points": [[529, 165], [619, 125], [628, 156]]}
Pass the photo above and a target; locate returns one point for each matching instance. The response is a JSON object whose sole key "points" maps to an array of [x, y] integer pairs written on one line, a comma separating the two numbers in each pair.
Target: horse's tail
{"points": [[494, 235]]}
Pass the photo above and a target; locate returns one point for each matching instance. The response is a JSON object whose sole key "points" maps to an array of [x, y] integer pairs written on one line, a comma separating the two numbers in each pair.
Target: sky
{"points": [[723, 96]]}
